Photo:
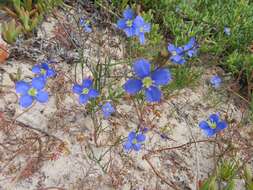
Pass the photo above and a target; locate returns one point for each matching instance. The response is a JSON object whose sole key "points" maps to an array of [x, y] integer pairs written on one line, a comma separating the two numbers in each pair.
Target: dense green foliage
{"points": [[27, 14], [206, 19]]}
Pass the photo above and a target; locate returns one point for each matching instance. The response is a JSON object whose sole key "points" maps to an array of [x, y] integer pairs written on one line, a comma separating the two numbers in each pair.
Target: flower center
{"points": [[43, 71], [107, 109], [85, 91], [87, 23], [134, 141], [32, 92], [212, 124], [147, 82], [174, 53], [129, 23], [141, 29]]}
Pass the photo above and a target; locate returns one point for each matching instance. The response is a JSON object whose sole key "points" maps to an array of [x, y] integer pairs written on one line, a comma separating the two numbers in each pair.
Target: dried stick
{"points": [[171, 184], [147, 156]]}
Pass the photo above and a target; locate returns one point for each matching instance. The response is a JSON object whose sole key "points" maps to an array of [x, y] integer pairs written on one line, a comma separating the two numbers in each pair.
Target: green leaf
{"points": [[210, 184]]}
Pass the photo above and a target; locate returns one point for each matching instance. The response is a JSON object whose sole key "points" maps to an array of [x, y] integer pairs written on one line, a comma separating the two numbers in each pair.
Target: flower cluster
{"points": [[85, 24], [86, 92], [30, 91], [179, 55], [148, 80], [213, 125], [133, 25]]}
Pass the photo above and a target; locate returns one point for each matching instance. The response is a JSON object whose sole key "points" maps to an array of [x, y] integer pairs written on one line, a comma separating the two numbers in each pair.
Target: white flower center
{"points": [[32, 92], [147, 82], [129, 23], [85, 91]]}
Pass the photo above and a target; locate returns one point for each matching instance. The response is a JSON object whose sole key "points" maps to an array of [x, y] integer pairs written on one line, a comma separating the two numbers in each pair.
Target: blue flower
{"points": [[213, 125], [180, 54], [177, 54], [107, 109], [227, 31], [191, 47], [86, 25], [127, 22], [147, 80], [134, 141], [43, 70], [85, 91], [215, 81], [31, 92], [141, 27]]}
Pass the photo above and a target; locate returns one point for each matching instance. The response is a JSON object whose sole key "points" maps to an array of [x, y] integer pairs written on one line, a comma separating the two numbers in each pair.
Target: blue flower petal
{"points": [[22, 87], [127, 145], [83, 98], [129, 31], [192, 53], [128, 14], [25, 101], [142, 38], [137, 147], [87, 29], [81, 21], [153, 94], [204, 125], [121, 24], [209, 132], [142, 68], [171, 48], [38, 83], [93, 93], [180, 51], [50, 73], [87, 83], [36, 69], [221, 125], [140, 138], [181, 62], [77, 89], [131, 136], [42, 97], [139, 21], [190, 44], [176, 58], [146, 27], [161, 76], [44, 66], [106, 115], [214, 118], [132, 86]]}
